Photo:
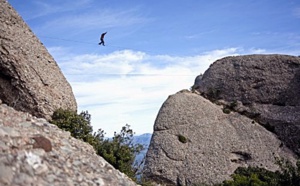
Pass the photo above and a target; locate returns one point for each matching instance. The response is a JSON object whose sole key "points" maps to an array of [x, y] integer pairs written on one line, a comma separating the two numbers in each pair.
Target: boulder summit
{"points": [[244, 112]]}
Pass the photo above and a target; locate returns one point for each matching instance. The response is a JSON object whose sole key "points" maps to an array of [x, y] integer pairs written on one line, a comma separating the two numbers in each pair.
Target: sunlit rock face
{"points": [[30, 79], [36, 152], [243, 111], [194, 141]]}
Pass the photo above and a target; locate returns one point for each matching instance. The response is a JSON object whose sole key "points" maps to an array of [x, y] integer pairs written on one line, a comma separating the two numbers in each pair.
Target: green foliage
{"points": [[290, 174], [118, 151], [252, 176], [78, 125], [226, 110], [182, 138]]}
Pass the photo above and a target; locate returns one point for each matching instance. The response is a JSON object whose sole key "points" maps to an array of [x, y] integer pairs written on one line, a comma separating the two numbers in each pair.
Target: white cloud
{"points": [[41, 9], [95, 19], [130, 87]]}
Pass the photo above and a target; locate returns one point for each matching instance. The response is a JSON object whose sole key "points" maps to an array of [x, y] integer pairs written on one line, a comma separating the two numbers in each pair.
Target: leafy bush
{"points": [[289, 175], [118, 151], [78, 125], [252, 176]]}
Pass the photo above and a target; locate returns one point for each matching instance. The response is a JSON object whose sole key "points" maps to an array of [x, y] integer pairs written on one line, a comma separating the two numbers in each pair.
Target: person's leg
{"points": [[102, 42]]}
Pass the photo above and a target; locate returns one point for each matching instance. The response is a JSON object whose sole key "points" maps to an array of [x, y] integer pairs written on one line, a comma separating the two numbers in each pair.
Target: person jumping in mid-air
{"points": [[102, 39]]}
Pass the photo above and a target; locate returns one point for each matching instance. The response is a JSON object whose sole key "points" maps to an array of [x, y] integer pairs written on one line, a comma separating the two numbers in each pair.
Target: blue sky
{"points": [[153, 48]]}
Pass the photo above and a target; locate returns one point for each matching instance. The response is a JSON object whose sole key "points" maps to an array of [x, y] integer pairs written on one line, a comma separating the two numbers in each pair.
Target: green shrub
{"points": [[252, 176], [78, 125], [226, 110], [289, 175], [118, 151], [182, 138]]}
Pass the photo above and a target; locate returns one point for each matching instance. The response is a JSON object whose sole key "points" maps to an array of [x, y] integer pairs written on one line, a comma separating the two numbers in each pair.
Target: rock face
{"points": [[35, 152], [30, 79], [194, 142], [263, 87]]}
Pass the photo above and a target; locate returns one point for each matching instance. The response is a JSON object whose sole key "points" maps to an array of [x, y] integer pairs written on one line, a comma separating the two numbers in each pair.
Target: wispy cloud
{"points": [[128, 86], [296, 12], [199, 35], [42, 9], [95, 20], [81, 18]]}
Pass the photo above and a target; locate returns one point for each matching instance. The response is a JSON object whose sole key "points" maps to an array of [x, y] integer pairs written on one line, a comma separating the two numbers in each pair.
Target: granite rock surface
{"points": [[265, 88], [36, 152], [30, 79], [194, 142]]}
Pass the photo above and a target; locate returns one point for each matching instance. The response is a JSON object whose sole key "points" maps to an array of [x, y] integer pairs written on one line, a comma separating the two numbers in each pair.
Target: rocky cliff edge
{"points": [[30, 79]]}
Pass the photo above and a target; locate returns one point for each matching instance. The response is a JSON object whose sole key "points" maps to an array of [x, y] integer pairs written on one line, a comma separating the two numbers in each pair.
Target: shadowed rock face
{"points": [[263, 79], [30, 79], [195, 142], [263, 87]]}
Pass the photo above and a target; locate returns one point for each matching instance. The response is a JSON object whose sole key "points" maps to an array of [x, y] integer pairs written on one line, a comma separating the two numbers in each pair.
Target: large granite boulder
{"points": [[35, 152], [30, 79], [194, 142], [265, 88]]}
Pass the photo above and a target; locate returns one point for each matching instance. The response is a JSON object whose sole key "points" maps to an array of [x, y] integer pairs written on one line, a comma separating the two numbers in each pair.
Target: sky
{"points": [[153, 49]]}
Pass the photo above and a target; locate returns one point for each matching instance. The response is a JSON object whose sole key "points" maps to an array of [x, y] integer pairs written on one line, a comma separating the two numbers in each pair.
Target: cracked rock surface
{"points": [[267, 88], [35, 152], [215, 143]]}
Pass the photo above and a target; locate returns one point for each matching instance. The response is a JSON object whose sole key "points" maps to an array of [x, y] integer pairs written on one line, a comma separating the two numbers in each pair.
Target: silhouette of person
{"points": [[102, 39]]}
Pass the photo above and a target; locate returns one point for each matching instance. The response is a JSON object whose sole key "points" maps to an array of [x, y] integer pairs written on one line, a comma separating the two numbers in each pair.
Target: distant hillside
{"points": [[143, 139]]}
